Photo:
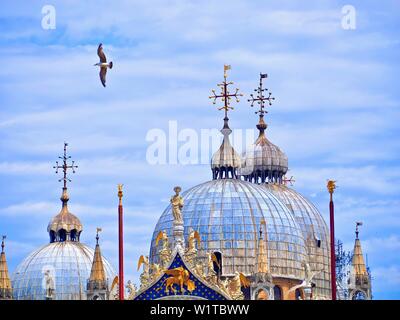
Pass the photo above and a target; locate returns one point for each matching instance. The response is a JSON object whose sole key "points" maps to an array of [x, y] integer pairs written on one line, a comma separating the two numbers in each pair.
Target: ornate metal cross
{"points": [[225, 95], [65, 166], [286, 181], [260, 98]]}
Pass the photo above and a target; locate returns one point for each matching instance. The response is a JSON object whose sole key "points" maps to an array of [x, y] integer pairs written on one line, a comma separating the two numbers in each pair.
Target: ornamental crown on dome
{"points": [[64, 226], [264, 162], [226, 160]]}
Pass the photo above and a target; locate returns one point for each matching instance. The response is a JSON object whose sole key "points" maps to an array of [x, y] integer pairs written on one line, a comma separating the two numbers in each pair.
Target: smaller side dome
{"points": [[65, 225]]}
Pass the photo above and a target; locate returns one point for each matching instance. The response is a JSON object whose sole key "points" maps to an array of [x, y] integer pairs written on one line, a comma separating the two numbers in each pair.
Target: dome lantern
{"points": [[264, 162], [226, 160], [65, 226]]}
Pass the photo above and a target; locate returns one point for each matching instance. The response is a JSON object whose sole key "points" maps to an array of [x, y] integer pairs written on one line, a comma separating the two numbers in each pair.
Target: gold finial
{"points": [[120, 193], [226, 68], [331, 185], [225, 95]]}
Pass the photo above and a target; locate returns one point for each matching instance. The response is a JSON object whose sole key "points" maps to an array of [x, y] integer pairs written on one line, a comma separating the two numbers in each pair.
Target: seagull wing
{"points": [[102, 74], [101, 54]]}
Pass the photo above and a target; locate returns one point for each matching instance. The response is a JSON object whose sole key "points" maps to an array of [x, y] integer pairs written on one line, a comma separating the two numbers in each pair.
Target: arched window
{"points": [[277, 293], [262, 295], [359, 295], [62, 235], [218, 267], [298, 295], [74, 234], [52, 236]]}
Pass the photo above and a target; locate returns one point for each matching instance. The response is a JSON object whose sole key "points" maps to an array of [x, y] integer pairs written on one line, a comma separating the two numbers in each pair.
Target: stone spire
{"points": [[97, 287], [261, 287], [5, 283], [226, 160], [262, 252], [357, 262], [360, 279]]}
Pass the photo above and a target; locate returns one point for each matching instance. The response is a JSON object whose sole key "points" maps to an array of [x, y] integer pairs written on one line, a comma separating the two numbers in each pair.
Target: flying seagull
{"points": [[103, 64]]}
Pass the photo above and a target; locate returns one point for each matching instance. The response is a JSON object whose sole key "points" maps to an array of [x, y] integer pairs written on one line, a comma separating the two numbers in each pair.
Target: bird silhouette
{"points": [[103, 64]]}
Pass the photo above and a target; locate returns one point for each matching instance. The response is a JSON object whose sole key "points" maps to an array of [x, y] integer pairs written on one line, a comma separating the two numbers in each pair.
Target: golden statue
{"points": [[198, 268], [132, 290], [145, 276], [162, 235], [177, 205], [114, 292], [165, 252], [235, 285], [191, 251], [194, 237], [180, 277], [155, 271]]}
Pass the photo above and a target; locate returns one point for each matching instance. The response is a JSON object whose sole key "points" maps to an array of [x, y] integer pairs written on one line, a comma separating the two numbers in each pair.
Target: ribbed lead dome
{"points": [[227, 213], [69, 264], [314, 230]]}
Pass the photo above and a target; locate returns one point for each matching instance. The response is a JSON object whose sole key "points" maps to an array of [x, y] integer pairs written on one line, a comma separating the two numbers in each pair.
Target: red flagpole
{"points": [[121, 244], [331, 188]]}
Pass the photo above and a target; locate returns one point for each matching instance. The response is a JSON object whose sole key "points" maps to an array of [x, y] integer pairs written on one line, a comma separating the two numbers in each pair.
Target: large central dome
{"points": [[227, 213]]}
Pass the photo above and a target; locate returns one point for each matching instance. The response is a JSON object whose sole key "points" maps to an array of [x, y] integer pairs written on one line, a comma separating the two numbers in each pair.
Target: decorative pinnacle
{"points": [[2, 243], [65, 166], [225, 95], [262, 223], [120, 193], [260, 98], [358, 223], [97, 234], [331, 185]]}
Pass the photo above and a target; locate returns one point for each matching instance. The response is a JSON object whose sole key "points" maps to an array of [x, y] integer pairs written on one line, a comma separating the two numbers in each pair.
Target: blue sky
{"points": [[336, 113]]}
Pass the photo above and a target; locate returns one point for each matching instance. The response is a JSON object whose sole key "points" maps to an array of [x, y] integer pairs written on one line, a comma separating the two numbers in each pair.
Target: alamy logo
{"points": [[49, 17], [349, 17]]}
